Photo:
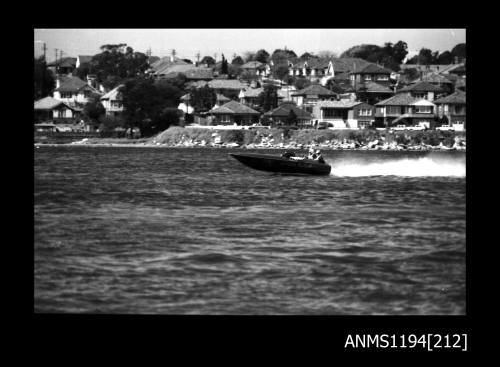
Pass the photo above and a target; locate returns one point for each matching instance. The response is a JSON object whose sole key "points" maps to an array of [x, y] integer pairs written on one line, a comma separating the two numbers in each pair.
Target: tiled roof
{"points": [[165, 61], [233, 107], [372, 69], [222, 98], [372, 87], [284, 110], [64, 62], [420, 87], [402, 99], [338, 104], [226, 84], [426, 68], [47, 103], [455, 98], [253, 92], [341, 76], [199, 73], [314, 89], [73, 84], [353, 63], [253, 65], [113, 94], [433, 78]]}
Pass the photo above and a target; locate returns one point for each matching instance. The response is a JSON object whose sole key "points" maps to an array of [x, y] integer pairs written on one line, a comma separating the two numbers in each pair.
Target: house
{"points": [[49, 108], [250, 96], [421, 89], [405, 109], [256, 68], [344, 114], [229, 87], [66, 65], [318, 70], [234, 113], [371, 73], [439, 80], [311, 95], [454, 108], [371, 92], [112, 102], [165, 62], [279, 116], [73, 91], [190, 71]]}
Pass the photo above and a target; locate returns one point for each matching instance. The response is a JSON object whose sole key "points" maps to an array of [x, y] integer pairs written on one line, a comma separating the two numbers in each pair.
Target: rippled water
{"points": [[166, 230]]}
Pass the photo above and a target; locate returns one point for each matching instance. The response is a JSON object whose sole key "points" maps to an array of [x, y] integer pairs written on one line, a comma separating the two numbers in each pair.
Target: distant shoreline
{"points": [[163, 146]]}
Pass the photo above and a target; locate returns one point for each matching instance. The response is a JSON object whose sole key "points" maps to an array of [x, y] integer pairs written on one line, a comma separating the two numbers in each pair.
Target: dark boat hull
{"points": [[270, 163]]}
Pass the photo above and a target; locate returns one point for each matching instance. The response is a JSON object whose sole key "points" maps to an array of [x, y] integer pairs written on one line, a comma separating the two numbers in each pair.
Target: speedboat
{"points": [[283, 164]]}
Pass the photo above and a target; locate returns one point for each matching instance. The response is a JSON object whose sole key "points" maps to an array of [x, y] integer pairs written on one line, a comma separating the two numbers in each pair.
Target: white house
{"points": [[112, 101], [73, 91]]}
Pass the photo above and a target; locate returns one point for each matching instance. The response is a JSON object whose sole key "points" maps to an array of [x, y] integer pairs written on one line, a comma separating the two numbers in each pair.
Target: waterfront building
{"points": [[112, 102], [344, 114], [404, 109], [454, 108], [280, 116], [234, 113], [309, 96]]}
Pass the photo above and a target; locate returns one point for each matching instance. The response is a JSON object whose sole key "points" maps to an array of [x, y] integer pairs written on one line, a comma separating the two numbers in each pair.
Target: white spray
{"points": [[411, 167]]}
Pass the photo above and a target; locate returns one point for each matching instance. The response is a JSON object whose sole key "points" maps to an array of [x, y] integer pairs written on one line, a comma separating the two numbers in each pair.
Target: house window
{"points": [[383, 77], [116, 104], [66, 95], [423, 109], [393, 110], [365, 112], [368, 77]]}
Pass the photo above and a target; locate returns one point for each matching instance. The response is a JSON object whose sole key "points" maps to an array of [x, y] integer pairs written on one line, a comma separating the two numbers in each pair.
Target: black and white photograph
{"points": [[250, 171]]}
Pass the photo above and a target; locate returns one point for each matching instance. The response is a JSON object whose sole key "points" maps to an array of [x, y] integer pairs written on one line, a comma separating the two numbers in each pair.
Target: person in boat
{"points": [[311, 154], [319, 157], [288, 155]]}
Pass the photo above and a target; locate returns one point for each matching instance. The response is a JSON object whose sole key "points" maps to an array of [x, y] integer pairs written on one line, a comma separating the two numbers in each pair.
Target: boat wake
{"points": [[410, 167]]}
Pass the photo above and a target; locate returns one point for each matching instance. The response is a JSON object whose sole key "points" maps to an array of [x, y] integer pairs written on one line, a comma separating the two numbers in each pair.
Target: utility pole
{"points": [[44, 52], [56, 58], [197, 58], [215, 57], [173, 53]]}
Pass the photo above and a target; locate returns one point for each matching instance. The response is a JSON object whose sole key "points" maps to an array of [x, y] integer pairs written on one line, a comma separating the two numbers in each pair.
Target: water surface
{"points": [[172, 230]]}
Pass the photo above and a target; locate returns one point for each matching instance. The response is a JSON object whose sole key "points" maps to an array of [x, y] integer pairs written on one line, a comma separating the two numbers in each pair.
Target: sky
{"points": [[188, 42]]}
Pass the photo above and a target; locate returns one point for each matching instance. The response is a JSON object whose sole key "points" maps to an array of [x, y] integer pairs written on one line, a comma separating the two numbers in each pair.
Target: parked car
{"points": [[445, 128], [400, 127]]}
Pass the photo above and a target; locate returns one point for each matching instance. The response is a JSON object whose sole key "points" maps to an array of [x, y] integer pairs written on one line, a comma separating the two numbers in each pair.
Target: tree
{"points": [[44, 80], [301, 83], [116, 63], [280, 71], [459, 52], [425, 56], [325, 54], [224, 67], [366, 52], [268, 98], [445, 58], [237, 61], [261, 56], [94, 109], [145, 104], [285, 52], [399, 51], [291, 119], [208, 60], [248, 56], [202, 99]]}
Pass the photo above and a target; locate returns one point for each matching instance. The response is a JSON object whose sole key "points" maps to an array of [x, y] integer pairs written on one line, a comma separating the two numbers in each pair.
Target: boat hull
{"points": [[270, 163]]}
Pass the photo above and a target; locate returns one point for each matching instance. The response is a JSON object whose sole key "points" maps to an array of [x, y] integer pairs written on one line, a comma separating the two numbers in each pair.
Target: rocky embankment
{"points": [[295, 139]]}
